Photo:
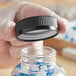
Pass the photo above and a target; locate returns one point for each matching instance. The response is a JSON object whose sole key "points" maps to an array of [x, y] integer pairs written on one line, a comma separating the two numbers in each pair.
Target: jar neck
{"points": [[29, 57]]}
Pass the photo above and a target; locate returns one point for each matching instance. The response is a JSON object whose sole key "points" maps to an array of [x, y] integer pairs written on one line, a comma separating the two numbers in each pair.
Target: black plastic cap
{"points": [[36, 28]]}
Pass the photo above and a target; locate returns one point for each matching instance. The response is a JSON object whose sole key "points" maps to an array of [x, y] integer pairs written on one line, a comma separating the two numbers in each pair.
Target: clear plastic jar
{"points": [[38, 65]]}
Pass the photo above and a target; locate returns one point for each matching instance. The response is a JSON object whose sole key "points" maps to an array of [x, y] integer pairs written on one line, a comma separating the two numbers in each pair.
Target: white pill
{"points": [[69, 52]]}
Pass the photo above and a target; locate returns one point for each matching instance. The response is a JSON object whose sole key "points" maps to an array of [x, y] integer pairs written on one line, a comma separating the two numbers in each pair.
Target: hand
{"points": [[10, 47]]}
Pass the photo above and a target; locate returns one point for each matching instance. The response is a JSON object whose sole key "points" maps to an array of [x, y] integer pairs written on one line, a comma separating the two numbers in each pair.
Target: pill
{"points": [[69, 52], [32, 74], [74, 28], [50, 72], [48, 65], [19, 66], [22, 74], [39, 63]]}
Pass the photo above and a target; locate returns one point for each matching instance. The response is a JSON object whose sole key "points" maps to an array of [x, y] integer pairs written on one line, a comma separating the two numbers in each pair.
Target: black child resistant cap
{"points": [[36, 28]]}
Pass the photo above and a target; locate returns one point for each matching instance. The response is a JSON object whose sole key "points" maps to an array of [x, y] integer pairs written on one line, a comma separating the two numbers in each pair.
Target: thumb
{"points": [[7, 30]]}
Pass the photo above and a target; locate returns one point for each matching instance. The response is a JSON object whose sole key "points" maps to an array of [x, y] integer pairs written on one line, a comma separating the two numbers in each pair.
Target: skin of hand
{"points": [[10, 47]]}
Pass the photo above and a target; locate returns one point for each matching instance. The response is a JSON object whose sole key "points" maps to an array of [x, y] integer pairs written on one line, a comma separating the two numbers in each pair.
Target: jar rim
{"points": [[47, 52]]}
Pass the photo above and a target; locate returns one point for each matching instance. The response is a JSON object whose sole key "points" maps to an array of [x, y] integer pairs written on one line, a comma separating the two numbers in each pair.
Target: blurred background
{"points": [[65, 44]]}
